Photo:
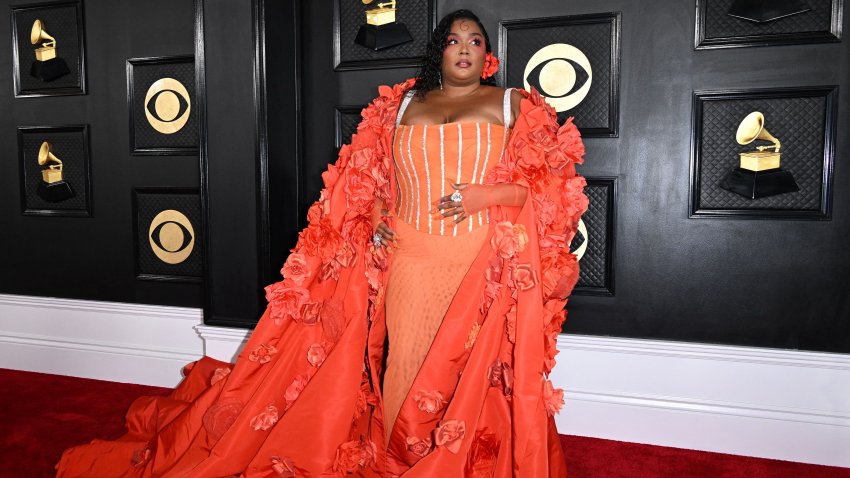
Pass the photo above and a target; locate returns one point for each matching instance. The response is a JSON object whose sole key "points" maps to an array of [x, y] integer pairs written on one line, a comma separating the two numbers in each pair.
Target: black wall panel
{"points": [[93, 257], [766, 283], [268, 132]]}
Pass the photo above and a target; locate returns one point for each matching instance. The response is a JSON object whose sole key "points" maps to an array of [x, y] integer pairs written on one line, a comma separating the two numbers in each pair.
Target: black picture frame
{"points": [[71, 145], [599, 115], [144, 139], [346, 119], [71, 49], [596, 268], [716, 29], [349, 56], [808, 156], [146, 267]]}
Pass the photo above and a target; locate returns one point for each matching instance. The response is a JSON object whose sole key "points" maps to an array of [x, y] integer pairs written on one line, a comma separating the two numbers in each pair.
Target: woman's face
{"points": [[463, 58]]}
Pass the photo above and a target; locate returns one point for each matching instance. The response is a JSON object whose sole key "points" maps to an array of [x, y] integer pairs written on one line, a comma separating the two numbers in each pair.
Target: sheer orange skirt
{"points": [[425, 273]]}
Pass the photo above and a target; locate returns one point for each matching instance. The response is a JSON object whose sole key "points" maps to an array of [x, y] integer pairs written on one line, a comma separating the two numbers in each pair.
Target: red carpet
{"points": [[41, 415]]}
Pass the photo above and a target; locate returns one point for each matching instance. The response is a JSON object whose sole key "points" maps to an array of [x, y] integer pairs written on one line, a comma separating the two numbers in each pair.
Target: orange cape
{"points": [[303, 398]]}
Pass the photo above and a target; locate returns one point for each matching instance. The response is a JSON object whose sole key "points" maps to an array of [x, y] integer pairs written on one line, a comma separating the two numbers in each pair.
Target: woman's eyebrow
{"points": [[473, 34]]}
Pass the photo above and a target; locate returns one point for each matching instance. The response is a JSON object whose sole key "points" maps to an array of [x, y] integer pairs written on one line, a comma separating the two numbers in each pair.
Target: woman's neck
{"points": [[457, 91]]}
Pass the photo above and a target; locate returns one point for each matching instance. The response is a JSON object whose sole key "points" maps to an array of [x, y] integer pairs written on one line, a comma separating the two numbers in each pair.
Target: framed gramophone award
{"points": [[48, 49], [763, 153], [743, 23], [161, 104], [370, 34], [55, 171]]}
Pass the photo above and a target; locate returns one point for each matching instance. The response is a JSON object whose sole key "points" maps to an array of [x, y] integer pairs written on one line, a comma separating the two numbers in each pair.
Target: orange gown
{"points": [[304, 398], [432, 255]]}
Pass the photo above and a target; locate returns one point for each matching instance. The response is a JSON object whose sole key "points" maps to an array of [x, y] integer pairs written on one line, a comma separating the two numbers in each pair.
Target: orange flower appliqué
{"points": [[285, 301], [265, 419], [295, 268], [283, 466], [429, 401], [504, 240], [501, 375], [521, 234], [316, 355], [525, 277], [294, 389], [262, 354], [219, 375], [450, 434], [418, 447], [553, 398], [491, 66], [353, 454]]}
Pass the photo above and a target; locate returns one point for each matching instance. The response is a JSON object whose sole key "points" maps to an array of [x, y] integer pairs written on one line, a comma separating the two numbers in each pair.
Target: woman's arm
{"points": [[477, 197]]}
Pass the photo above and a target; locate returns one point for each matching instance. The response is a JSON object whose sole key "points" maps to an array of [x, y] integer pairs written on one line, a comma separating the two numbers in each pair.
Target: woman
{"points": [[405, 338]]}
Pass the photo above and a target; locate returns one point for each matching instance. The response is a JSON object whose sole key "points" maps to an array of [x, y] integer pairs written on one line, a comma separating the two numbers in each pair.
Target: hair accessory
{"points": [[491, 66]]}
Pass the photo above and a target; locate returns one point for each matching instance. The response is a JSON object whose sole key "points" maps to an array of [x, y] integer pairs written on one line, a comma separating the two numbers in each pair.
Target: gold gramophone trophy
{"points": [[759, 174], [52, 187], [47, 66], [381, 30]]}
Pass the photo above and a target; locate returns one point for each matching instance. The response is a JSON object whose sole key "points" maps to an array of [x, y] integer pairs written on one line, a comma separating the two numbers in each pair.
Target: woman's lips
{"points": [[464, 64]]}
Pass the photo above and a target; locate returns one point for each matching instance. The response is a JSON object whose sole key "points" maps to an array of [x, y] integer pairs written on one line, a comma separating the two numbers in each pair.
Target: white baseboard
{"points": [[780, 404], [133, 343], [223, 343]]}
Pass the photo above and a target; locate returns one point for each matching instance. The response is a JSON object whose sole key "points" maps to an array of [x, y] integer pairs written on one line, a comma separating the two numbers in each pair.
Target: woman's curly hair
{"points": [[432, 62]]}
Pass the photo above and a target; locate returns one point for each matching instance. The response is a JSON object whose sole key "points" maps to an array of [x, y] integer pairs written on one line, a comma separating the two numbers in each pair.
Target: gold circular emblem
{"points": [[167, 105], [561, 73], [580, 250], [171, 236]]}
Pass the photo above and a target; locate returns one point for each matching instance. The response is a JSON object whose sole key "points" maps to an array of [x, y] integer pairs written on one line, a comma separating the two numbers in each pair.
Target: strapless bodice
{"points": [[430, 158]]}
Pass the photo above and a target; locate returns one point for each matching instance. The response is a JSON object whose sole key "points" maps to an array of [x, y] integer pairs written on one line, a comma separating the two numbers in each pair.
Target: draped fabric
{"points": [[304, 396]]}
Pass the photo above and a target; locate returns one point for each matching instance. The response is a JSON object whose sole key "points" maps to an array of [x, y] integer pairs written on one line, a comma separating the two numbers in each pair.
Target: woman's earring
{"points": [[441, 80]]}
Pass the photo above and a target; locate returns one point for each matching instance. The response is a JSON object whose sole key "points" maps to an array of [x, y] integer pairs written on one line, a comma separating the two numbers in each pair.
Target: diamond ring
{"points": [[456, 196], [377, 240]]}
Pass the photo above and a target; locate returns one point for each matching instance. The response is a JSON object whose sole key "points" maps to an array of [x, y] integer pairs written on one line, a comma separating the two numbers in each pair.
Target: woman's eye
{"points": [[451, 41], [476, 42]]}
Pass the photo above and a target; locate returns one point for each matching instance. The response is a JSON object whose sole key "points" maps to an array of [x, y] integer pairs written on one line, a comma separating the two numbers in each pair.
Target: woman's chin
{"points": [[465, 76]]}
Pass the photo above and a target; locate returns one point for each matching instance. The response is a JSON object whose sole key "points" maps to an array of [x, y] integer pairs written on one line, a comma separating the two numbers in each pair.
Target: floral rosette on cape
{"points": [[339, 222], [542, 157]]}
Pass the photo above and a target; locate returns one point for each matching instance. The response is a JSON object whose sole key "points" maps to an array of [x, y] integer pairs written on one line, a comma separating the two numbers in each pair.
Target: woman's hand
{"points": [[380, 227], [475, 198]]}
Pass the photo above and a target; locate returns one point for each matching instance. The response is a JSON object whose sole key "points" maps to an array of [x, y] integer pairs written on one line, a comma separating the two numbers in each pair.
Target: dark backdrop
{"points": [[769, 283], [93, 258]]}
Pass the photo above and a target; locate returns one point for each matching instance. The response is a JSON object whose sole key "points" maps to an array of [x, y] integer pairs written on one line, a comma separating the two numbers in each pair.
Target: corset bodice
{"points": [[430, 158]]}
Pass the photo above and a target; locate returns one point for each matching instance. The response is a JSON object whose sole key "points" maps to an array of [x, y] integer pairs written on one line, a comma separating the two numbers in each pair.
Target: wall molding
{"points": [[781, 404], [769, 403], [121, 342]]}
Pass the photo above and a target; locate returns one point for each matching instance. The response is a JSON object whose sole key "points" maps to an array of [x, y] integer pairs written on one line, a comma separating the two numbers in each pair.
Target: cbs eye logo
{"points": [[171, 236], [561, 73], [167, 105], [580, 241]]}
